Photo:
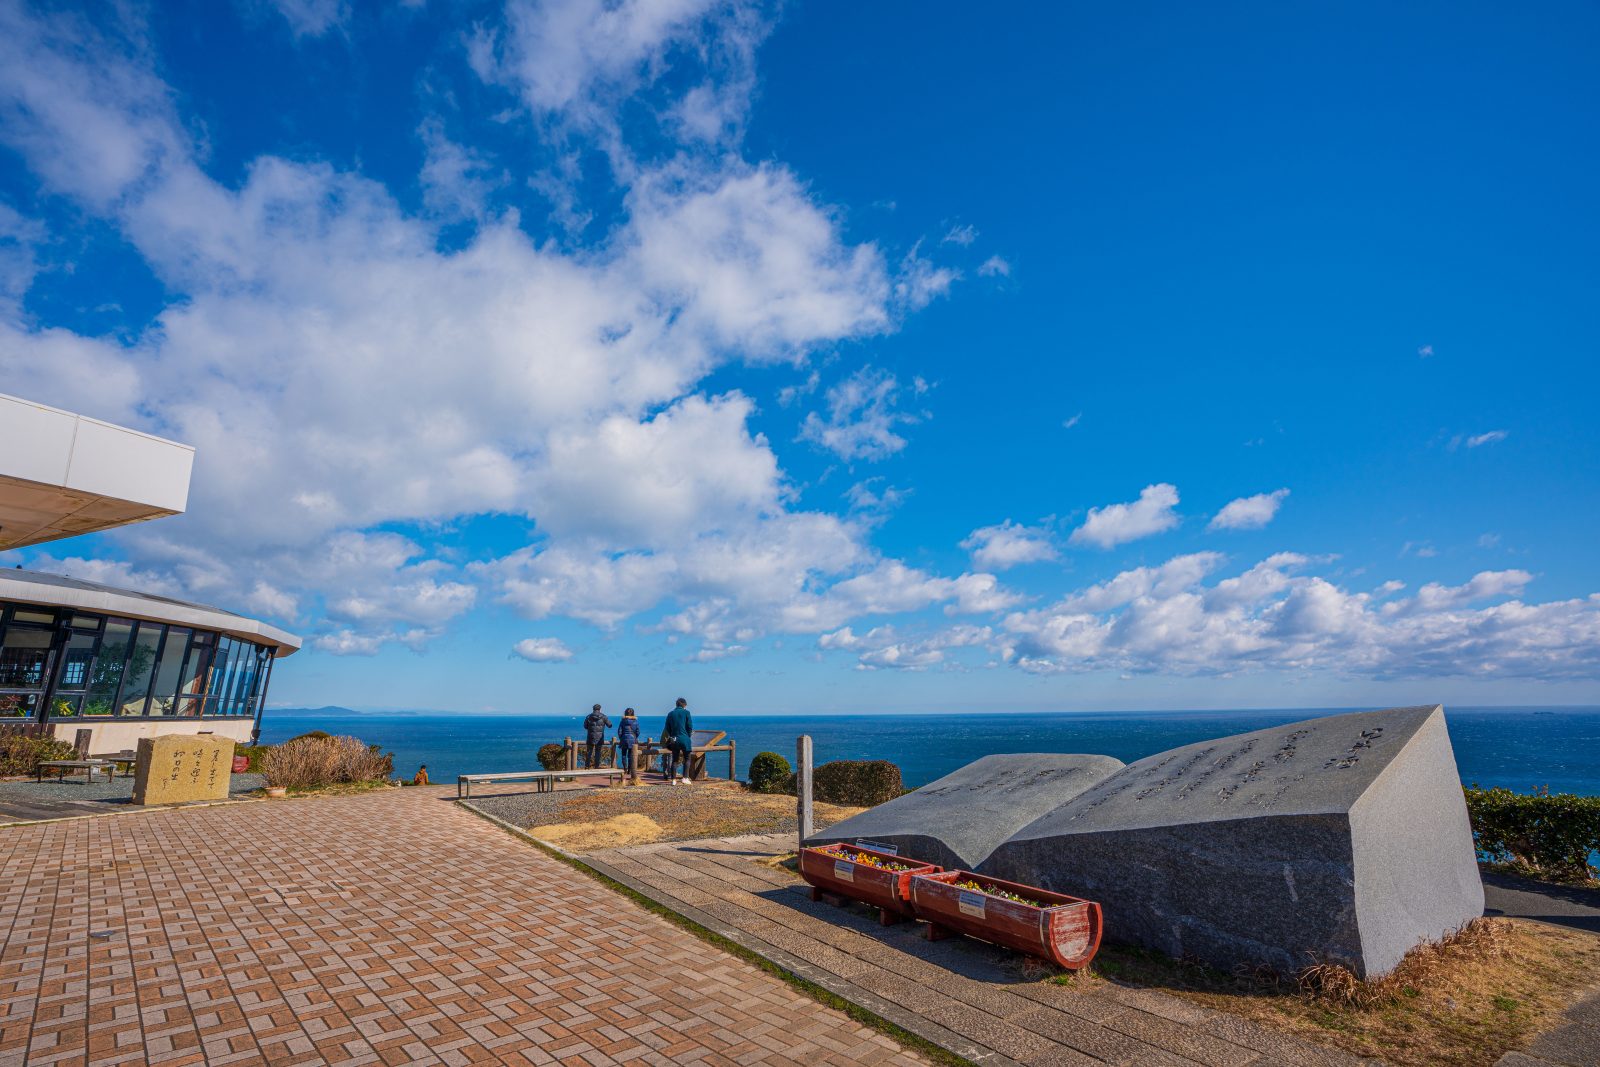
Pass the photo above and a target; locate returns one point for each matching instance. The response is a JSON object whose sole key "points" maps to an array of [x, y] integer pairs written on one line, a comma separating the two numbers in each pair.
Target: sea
{"points": [[1525, 749]]}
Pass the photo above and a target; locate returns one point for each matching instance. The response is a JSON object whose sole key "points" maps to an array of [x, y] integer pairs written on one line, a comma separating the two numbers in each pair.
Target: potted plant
{"points": [[852, 872], [1052, 926]]}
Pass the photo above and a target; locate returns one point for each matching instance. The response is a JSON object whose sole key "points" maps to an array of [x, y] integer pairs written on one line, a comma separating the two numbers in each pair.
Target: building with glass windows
{"points": [[75, 654]]}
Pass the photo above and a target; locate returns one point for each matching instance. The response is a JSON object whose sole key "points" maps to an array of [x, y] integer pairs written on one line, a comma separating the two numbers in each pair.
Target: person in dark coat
{"points": [[594, 731], [677, 737], [627, 737]]}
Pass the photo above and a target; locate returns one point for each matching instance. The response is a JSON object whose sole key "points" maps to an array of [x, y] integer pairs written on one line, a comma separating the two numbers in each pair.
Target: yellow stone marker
{"points": [[174, 768]]}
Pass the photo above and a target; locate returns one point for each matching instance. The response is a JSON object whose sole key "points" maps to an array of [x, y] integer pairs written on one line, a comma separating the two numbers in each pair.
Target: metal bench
{"points": [[543, 781]]}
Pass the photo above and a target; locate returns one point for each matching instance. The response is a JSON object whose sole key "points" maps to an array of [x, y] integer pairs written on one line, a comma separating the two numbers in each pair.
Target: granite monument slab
{"points": [[959, 819], [1342, 839], [176, 768]]}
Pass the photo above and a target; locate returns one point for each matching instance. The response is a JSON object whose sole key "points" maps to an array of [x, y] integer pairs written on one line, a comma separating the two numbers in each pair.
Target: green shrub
{"points": [[861, 783], [1548, 835], [253, 753], [320, 735], [553, 757], [769, 773], [21, 755]]}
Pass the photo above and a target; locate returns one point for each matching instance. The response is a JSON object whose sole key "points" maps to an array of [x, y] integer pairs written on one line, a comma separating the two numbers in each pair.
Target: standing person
{"points": [[627, 737], [594, 731], [677, 736]]}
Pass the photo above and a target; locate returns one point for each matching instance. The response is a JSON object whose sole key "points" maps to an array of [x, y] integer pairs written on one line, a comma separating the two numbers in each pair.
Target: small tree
{"points": [[769, 773], [553, 756]]}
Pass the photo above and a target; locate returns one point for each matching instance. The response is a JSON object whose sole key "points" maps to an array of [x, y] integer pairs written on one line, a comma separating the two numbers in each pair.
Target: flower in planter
{"points": [[995, 891], [868, 860]]}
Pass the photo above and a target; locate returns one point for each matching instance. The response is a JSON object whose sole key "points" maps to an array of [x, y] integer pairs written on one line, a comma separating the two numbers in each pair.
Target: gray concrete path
{"points": [[1576, 1043], [1519, 898], [968, 997]]}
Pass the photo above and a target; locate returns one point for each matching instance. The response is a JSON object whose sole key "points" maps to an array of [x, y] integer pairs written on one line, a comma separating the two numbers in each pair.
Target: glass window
{"points": [[65, 706], [75, 661], [106, 674], [15, 705], [239, 696], [86, 622], [43, 615], [193, 679], [23, 657], [141, 665], [221, 663], [164, 692]]}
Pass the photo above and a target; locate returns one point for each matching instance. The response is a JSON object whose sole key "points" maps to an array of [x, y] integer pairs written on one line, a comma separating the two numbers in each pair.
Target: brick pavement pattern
{"points": [[967, 996], [390, 928]]}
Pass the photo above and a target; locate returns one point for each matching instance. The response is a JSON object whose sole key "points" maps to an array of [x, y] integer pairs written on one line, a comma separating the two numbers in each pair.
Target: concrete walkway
{"points": [[389, 928], [1559, 905], [966, 996]]}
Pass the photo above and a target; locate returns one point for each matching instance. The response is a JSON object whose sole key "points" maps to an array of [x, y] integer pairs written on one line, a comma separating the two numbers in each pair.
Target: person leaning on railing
{"points": [[627, 737], [594, 736], [677, 737]]}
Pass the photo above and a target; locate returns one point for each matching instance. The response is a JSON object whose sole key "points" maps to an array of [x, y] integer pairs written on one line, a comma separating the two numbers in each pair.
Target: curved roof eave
{"points": [[60, 591]]}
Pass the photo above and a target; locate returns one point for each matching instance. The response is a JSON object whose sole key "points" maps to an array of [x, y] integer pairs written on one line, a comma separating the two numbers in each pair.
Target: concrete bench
{"points": [[62, 766], [544, 781]]}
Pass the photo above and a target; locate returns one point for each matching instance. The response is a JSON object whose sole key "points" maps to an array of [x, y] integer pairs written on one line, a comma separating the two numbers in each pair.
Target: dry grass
{"points": [[1462, 1003], [615, 832], [706, 809]]}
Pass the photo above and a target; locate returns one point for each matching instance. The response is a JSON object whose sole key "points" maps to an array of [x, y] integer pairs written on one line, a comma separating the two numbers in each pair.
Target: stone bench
{"points": [[544, 781]]}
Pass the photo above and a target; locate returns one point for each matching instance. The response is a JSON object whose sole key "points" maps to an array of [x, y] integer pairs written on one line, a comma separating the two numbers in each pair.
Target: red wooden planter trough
{"points": [[1066, 929], [829, 872]]}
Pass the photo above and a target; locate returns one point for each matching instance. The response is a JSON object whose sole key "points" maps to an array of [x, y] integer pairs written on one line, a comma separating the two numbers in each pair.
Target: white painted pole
{"points": [[802, 787]]}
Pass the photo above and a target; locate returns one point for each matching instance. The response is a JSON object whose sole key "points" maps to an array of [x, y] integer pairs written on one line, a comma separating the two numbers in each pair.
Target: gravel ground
{"points": [[666, 804], [117, 789]]}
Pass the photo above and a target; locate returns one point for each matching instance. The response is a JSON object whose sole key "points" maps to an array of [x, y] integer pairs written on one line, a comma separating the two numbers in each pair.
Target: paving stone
{"points": [[308, 931]]}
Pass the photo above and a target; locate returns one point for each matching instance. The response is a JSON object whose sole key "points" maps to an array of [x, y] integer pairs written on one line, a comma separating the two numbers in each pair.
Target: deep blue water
{"points": [[1522, 748]]}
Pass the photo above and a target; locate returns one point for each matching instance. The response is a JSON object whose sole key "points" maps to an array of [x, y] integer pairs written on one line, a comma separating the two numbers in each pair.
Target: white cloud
{"points": [[886, 648], [1117, 524], [920, 282], [1489, 438], [1068, 424], [994, 267], [364, 374], [1249, 512], [542, 650], [312, 18], [862, 418], [961, 235], [1167, 620], [1010, 544], [1425, 351]]}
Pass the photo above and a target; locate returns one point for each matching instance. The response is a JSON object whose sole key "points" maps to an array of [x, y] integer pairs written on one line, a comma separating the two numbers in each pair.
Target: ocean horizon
{"points": [[1519, 747]]}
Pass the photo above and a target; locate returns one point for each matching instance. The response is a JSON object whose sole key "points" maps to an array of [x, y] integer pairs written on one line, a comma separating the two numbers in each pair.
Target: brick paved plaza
{"points": [[387, 928]]}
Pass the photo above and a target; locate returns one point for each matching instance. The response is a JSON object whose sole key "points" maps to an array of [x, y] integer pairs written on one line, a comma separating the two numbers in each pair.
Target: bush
{"points": [[253, 753], [769, 773], [312, 762], [1548, 835], [861, 783], [21, 755], [552, 756]]}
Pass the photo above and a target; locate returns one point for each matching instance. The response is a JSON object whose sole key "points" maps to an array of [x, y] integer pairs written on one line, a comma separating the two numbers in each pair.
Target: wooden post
{"points": [[569, 755], [802, 786], [732, 764], [635, 763]]}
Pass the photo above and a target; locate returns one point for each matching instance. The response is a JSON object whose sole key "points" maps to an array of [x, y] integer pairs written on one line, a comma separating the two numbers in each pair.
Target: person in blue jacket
{"points": [[677, 737], [627, 737]]}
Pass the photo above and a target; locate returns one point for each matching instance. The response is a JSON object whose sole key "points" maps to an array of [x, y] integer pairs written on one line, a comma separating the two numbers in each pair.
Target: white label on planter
{"points": [[844, 870], [972, 904], [877, 846]]}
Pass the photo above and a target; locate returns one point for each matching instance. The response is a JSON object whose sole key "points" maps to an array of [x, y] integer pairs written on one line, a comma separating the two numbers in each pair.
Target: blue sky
{"points": [[892, 357]]}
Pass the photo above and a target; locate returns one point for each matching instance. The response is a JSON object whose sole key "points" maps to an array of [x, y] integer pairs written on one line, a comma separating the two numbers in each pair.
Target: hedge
{"points": [[770, 773], [1552, 835], [552, 757], [20, 754], [861, 783]]}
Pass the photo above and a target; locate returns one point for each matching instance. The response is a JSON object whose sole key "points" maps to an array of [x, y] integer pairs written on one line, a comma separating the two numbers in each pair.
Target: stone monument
{"points": [[1343, 839], [961, 818], [174, 768]]}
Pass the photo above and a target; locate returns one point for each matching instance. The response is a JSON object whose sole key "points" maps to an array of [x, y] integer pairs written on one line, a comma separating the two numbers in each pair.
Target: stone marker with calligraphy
{"points": [[961, 818], [175, 768], [1343, 839]]}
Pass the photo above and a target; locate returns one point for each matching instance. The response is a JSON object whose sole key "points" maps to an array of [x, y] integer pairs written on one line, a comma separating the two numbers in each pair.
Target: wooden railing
{"points": [[646, 751]]}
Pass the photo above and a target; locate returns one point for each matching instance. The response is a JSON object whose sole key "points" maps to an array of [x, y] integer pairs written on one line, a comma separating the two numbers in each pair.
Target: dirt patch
{"points": [[1464, 1004], [615, 832], [589, 821]]}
